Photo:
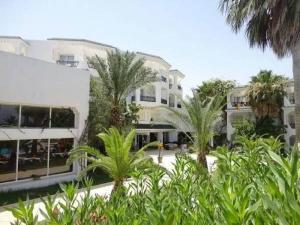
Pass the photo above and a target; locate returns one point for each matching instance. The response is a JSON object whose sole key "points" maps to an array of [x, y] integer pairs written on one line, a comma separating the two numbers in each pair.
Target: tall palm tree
{"points": [[120, 74], [265, 94], [273, 23], [199, 117], [119, 161]]}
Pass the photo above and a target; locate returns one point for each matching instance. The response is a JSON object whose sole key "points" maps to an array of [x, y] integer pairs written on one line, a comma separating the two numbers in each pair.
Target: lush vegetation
{"points": [[265, 94], [211, 88], [270, 23], [119, 162], [200, 117], [119, 75], [251, 185]]}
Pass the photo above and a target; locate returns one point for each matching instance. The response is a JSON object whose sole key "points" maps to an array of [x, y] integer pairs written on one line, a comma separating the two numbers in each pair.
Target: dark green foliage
{"points": [[120, 74], [215, 87], [251, 185], [245, 128], [265, 94], [268, 127]]}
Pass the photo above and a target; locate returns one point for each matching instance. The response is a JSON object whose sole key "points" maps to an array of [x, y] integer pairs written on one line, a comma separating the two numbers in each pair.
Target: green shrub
{"points": [[251, 185]]}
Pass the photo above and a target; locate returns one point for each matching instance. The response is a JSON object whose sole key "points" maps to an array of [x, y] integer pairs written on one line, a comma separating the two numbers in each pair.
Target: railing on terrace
{"points": [[163, 79], [292, 125], [240, 104], [147, 98], [292, 99], [67, 63], [164, 101]]}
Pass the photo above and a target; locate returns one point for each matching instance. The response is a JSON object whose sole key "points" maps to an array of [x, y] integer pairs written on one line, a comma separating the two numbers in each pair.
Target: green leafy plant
{"points": [[119, 161], [199, 118], [273, 24], [252, 184], [119, 75]]}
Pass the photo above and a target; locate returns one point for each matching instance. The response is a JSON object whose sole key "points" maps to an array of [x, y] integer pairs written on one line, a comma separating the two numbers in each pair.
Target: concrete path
{"points": [[104, 189]]}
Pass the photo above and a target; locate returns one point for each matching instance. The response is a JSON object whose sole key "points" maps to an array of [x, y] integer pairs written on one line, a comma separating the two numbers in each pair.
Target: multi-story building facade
{"points": [[64, 53], [239, 109], [42, 117]]}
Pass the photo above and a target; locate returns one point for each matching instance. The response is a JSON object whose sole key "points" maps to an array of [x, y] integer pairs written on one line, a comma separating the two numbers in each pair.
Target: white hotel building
{"points": [[44, 97], [238, 109]]}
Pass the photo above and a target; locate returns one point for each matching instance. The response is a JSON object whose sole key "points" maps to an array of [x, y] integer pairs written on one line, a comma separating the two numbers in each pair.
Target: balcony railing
{"points": [[147, 98], [179, 87], [292, 125], [163, 79], [67, 63], [172, 104], [239, 104], [292, 99], [179, 106], [164, 101]]}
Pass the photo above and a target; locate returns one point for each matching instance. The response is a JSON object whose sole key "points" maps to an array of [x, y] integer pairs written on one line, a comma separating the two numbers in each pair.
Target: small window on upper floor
{"points": [[67, 60]]}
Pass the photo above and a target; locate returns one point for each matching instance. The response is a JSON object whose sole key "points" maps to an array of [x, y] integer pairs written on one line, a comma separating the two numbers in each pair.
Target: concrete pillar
{"points": [[160, 137]]}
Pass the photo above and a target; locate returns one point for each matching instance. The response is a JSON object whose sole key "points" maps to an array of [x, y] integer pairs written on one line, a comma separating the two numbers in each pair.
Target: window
{"points": [[59, 149], [35, 117], [61, 118], [33, 157], [9, 115], [66, 58], [8, 151]]}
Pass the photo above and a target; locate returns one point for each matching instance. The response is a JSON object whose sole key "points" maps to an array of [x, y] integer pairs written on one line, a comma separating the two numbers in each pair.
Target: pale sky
{"points": [[190, 34]]}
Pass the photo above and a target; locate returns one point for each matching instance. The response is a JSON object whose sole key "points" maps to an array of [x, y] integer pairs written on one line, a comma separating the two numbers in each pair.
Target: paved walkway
{"points": [[104, 189]]}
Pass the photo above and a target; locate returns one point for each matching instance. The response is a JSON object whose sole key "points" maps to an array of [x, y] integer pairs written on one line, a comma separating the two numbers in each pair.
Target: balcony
{"points": [[68, 63], [179, 87], [147, 98], [179, 106], [292, 125], [164, 101], [163, 79], [240, 104], [292, 99]]}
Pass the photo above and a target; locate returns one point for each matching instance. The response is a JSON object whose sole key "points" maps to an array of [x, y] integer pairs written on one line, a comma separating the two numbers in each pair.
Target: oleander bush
{"points": [[251, 184]]}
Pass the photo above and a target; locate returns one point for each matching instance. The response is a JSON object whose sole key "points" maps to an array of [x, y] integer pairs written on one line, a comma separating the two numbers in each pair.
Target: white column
{"points": [[137, 95], [160, 137], [158, 92]]}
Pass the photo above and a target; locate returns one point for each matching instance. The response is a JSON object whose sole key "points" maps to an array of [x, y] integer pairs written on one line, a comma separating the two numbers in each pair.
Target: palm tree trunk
{"points": [[296, 73], [201, 158], [117, 185]]}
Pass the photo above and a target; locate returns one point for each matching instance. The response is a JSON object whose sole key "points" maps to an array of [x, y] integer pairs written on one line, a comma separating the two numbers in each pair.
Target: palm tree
{"points": [[199, 117], [274, 23], [120, 74], [119, 161], [265, 94]]}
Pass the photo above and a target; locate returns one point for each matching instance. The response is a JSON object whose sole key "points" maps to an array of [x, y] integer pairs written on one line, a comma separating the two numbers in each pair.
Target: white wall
{"points": [[28, 81]]}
